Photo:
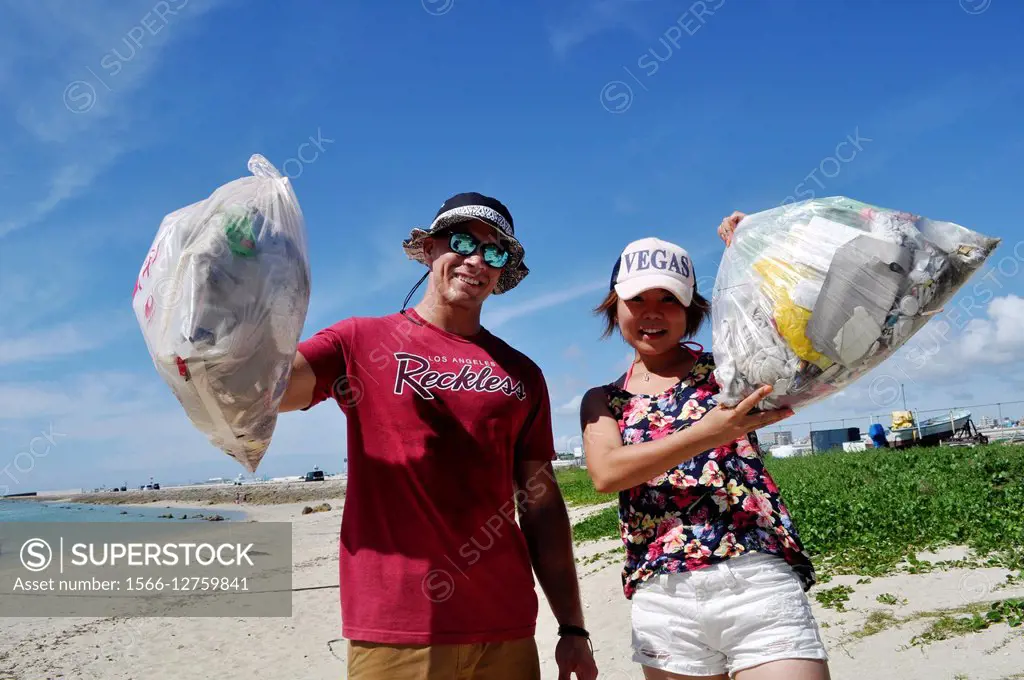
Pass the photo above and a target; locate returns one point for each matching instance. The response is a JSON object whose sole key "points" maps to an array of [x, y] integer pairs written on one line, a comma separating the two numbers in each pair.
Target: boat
{"points": [[930, 432]]}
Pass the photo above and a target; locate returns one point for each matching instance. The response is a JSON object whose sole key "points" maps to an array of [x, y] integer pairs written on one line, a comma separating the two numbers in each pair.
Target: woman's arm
{"points": [[614, 466]]}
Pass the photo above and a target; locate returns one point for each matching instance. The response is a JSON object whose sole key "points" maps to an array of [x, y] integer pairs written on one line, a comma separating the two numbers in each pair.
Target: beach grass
{"points": [[577, 489], [603, 524], [868, 512]]}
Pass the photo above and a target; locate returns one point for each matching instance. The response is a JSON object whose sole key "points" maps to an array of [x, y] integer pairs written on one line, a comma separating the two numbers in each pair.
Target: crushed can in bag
{"points": [[221, 299], [811, 296]]}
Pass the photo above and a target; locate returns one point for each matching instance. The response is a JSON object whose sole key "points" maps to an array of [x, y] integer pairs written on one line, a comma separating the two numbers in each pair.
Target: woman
{"points": [[715, 569]]}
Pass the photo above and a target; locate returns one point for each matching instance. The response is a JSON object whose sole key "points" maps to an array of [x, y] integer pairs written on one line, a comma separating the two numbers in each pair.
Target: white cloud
{"points": [[586, 19], [938, 354], [568, 442], [67, 181], [998, 339], [571, 407], [92, 394], [60, 340], [573, 351], [497, 315], [69, 71]]}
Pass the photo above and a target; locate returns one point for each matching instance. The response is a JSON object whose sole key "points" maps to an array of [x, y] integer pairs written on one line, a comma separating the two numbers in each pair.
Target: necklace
{"points": [[647, 372]]}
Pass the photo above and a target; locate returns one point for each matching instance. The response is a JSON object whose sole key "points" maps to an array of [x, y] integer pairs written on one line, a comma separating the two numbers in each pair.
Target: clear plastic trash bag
{"points": [[221, 299], [811, 296]]}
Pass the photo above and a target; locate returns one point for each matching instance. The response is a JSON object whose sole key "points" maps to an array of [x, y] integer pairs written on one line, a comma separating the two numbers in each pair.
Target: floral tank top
{"points": [[717, 505]]}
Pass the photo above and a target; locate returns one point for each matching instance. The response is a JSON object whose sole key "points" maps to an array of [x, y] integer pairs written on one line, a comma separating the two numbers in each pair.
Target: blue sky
{"points": [[120, 112]]}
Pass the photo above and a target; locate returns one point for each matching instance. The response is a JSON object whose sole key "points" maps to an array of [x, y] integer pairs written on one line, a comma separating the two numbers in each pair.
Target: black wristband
{"points": [[566, 629]]}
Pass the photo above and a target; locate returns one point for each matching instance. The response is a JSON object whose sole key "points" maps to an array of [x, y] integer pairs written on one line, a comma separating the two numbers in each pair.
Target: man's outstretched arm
{"points": [[301, 384], [318, 365]]}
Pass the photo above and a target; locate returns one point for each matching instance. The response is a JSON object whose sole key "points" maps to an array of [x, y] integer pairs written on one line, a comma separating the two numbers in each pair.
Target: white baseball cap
{"points": [[652, 263]]}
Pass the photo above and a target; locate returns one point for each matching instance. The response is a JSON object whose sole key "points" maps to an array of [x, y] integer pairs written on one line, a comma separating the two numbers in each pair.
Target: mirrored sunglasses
{"points": [[466, 244]]}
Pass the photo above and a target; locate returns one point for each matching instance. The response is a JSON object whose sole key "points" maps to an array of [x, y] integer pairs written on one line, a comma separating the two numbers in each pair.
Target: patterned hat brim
{"points": [[512, 273]]}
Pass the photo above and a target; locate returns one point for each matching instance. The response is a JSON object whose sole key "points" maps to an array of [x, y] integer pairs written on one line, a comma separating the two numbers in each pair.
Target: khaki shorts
{"points": [[512, 660]]}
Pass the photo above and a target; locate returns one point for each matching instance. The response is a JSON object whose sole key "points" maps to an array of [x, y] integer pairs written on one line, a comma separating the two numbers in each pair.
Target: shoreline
{"points": [[263, 494], [54, 509], [276, 512]]}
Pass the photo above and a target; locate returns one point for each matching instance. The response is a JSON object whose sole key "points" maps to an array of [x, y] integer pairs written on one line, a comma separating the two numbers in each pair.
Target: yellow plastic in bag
{"points": [[779, 279], [792, 320]]}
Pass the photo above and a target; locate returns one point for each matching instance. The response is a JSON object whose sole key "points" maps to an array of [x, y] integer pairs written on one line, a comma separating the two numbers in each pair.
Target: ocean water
{"points": [[42, 511]]}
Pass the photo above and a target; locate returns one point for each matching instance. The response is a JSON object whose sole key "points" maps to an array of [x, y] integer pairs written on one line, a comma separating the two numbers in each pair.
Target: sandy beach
{"points": [[868, 640]]}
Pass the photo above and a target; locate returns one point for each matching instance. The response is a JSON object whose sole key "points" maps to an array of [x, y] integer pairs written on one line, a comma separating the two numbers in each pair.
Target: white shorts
{"points": [[733, 615]]}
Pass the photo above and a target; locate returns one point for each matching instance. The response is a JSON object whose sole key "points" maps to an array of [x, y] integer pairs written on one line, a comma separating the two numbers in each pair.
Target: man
{"points": [[449, 433]]}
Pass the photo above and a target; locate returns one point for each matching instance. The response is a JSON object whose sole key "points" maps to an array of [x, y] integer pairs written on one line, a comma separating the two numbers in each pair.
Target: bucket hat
{"points": [[466, 207]]}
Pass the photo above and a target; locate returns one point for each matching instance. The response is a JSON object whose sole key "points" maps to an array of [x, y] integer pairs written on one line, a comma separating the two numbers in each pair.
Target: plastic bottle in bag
{"points": [[221, 300]]}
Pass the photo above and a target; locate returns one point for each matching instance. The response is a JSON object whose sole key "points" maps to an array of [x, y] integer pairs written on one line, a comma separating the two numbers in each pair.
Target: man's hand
{"points": [[728, 227], [573, 655]]}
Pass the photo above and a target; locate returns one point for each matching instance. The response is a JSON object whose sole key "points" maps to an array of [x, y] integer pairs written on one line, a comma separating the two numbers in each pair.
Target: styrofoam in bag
{"points": [[811, 296], [221, 299]]}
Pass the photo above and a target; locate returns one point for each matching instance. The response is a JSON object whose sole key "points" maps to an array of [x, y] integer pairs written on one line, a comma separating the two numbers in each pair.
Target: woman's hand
{"points": [[723, 424], [728, 227]]}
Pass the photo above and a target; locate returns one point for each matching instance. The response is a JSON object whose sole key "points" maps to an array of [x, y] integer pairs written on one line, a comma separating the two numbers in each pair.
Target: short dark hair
{"points": [[696, 314]]}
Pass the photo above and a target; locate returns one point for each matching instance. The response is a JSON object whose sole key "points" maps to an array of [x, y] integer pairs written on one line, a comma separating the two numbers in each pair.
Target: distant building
{"points": [[827, 440], [986, 421], [781, 438]]}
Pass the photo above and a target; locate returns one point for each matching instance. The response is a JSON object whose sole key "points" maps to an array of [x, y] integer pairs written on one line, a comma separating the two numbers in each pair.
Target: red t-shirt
{"points": [[430, 549]]}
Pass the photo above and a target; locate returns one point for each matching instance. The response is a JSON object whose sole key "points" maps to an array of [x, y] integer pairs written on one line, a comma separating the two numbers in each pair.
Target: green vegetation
{"points": [[601, 556], [867, 512], [602, 524], [877, 622], [577, 489], [949, 623], [889, 598], [833, 598], [948, 626], [1012, 580]]}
